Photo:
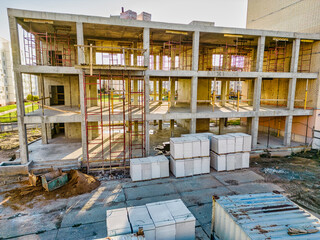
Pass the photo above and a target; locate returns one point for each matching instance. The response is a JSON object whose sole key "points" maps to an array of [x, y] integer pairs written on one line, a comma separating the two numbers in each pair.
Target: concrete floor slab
{"points": [[130, 184], [255, 188], [207, 228], [202, 213], [29, 224], [92, 215], [238, 177], [196, 183], [203, 196], [149, 191], [84, 231], [152, 199], [200, 234], [41, 236]]}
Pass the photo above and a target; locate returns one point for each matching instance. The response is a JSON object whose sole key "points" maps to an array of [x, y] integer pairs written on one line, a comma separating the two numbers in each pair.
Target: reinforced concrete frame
{"points": [[194, 74]]}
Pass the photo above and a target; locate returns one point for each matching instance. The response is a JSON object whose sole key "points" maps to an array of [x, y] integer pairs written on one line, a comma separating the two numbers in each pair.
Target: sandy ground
{"points": [[9, 143]]}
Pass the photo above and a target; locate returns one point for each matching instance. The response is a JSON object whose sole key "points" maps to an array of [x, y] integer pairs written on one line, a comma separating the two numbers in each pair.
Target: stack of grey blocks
{"points": [[166, 220], [189, 155], [149, 168], [230, 151]]}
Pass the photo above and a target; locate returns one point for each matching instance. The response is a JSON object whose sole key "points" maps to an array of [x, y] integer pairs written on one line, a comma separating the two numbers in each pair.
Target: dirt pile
{"points": [[79, 183]]}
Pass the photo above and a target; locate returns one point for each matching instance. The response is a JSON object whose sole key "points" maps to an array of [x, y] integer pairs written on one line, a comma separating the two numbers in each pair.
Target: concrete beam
{"points": [[155, 25], [47, 69], [23, 141]]}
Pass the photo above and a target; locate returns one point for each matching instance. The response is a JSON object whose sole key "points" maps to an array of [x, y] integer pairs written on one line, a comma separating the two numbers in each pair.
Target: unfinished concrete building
{"points": [[105, 82]]}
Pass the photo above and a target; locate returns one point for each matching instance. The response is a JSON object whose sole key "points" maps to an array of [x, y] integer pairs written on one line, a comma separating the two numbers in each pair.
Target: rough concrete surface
{"points": [[84, 216]]}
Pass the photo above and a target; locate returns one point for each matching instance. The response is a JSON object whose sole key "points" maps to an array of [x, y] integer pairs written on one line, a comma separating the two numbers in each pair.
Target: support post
{"points": [[254, 131], [160, 90], [81, 60], [23, 141], [172, 127], [193, 125], [146, 59], [172, 91], [223, 93], [260, 53], [288, 131], [195, 64], [222, 122], [160, 125]]}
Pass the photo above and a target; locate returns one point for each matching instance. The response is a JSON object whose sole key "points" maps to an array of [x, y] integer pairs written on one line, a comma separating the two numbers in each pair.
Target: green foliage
{"points": [[31, 97]]}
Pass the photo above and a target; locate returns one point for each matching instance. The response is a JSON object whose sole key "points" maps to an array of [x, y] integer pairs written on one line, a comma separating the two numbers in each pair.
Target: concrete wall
{"points": [[71, 89], [284, 15], [72, 130]]}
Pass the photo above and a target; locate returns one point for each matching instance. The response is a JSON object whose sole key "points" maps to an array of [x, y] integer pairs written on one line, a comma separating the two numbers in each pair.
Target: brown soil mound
{"points": [[79, 183]]}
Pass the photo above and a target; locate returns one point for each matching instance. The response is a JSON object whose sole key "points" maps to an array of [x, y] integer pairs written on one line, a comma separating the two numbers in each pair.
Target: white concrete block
{"points": [[197, 166], [139, 217], [117, 222], [218, 162], [164, 166], [135, 169], [146, 168], [239, 139], [188, 167], [185, 222], [246, 141], [155, 167], [238, 160], [196, 147], [205, 146], [245, 160], [176, 148], [163, 221], [187, 147], [219, 144], [231, 143], [230, 162], [177, 167], [205, 164]]}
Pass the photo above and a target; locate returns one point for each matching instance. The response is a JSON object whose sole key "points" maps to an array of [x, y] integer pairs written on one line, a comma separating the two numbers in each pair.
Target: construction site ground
{"points": [[84, 216]]}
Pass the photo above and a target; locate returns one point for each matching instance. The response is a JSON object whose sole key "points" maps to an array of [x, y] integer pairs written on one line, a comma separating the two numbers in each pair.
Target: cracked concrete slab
{"points": [[203, 196], [149, 191], [196, 183], [255, 188], [235, 178]]}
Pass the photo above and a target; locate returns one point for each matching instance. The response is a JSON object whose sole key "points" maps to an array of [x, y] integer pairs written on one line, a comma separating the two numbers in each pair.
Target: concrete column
{"points": [[228, 91], [44, 136], [161, 61], [160, 90], [147, 146], [223, 92], [135, 89], [135, 54], [254, 131], [160, 125], [291, 93], [172, 58], [194, 80], [81, 59], [295, 55], [249, 125], [154, 61], [146, 45], [146, 57], [193, 125], [260, 53], [257, 94], [222, 122], [172, 127], [154, 90], [172, 91], [23, 141], [288, 130]]}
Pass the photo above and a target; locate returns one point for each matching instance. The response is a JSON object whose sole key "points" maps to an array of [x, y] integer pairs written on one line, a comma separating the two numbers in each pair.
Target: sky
{"points": [[226, 13]]}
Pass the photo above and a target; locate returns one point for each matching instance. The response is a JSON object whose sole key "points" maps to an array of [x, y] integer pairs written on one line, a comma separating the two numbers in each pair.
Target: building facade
{"points": [[108, 80], [7, 95]]}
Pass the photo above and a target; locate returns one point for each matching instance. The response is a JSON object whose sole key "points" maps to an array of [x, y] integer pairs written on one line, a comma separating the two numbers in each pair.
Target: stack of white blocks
{"points": [[230, 151], [190, 155], [149, 168], [160, 221]]}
